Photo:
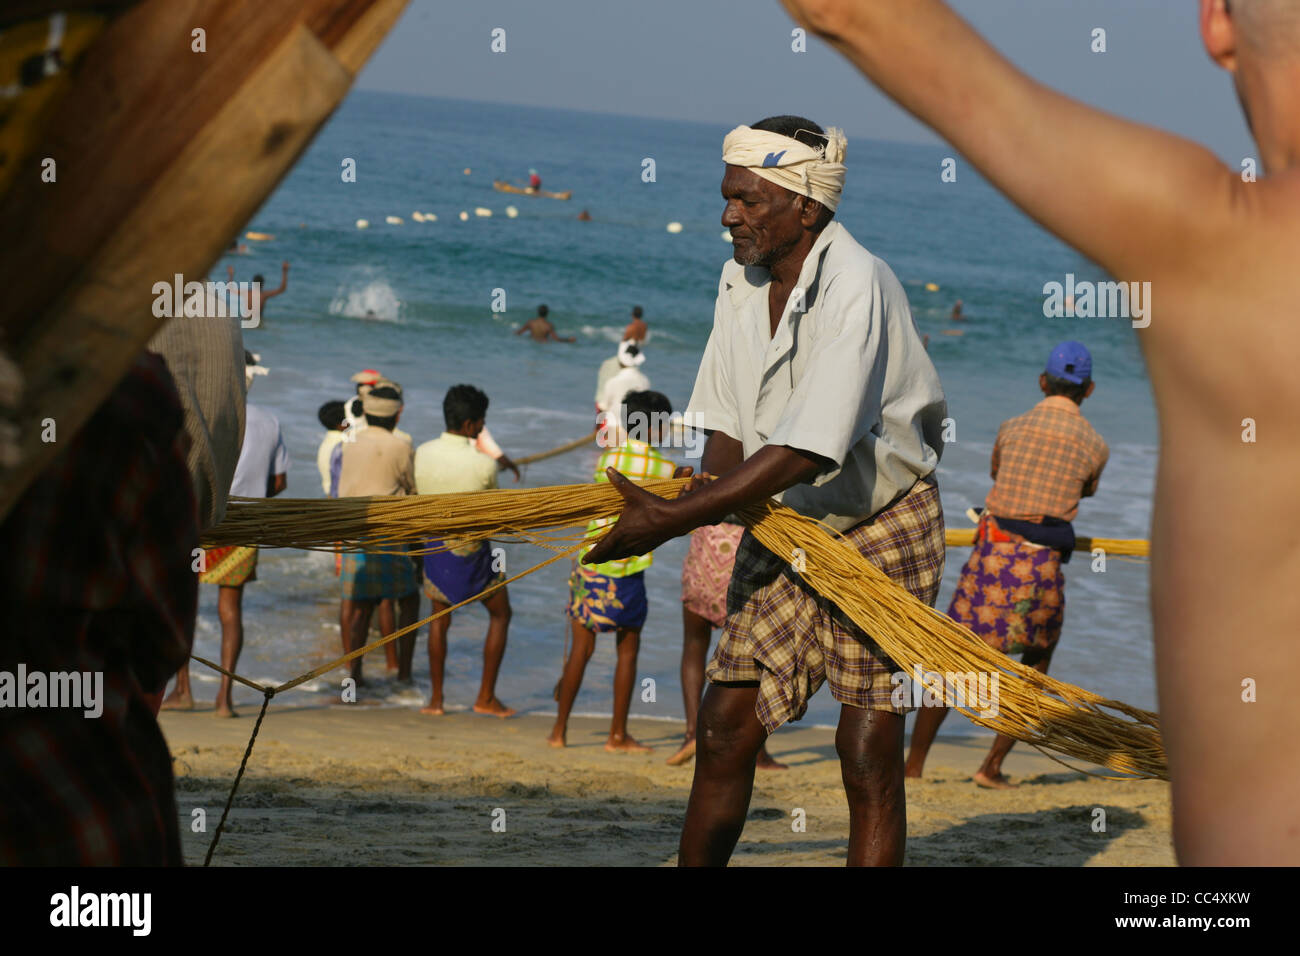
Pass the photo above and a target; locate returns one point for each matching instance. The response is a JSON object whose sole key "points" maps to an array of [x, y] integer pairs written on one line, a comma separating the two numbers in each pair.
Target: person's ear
{"points": [[810, 213], [1091, 386], [1219, 33], [1042, 382]]}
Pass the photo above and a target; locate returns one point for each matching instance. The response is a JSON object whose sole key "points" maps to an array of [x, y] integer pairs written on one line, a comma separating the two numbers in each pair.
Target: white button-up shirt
{"points": [[846, 378]]}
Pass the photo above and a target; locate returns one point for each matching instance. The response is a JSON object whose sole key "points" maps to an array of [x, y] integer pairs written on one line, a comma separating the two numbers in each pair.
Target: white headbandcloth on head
{"points": [[808, 171]]}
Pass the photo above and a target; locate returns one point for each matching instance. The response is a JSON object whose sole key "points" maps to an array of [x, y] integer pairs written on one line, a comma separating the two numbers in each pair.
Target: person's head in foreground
{"points": [[1068, 372], [383, 405], [783, 181], [252, 368], [543, 311], [1258, 42], [464, 410], [646, 416], [333, 416]]}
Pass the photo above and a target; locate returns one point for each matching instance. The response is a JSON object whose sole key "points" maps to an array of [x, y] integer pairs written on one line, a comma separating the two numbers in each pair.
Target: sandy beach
{"points": [[351, 785]]}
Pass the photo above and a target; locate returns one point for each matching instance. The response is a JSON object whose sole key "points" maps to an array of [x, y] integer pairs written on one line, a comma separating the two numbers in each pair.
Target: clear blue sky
{"points": [[730, 62]]}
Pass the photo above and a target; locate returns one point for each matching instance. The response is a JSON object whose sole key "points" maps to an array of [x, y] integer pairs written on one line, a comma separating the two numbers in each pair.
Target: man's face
{"points": [[765, 220]]}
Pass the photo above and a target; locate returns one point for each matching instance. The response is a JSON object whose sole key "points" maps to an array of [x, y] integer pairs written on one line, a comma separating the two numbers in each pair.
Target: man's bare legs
{"points": [[356, 615], [408, 609], [628, 644], [437, 658], [990, 772], [727, 743], [927, 724], [697, 632], [575, 665], [230, 609], [388, 624], [870, 745], [181, 697], [497, 605]]}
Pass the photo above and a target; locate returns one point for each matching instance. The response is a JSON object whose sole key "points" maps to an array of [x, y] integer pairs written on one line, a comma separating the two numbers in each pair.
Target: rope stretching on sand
{"points": [[1031, 706]]}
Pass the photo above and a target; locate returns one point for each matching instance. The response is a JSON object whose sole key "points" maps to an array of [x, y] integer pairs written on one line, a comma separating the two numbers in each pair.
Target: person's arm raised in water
{"points": [[284, 282]]}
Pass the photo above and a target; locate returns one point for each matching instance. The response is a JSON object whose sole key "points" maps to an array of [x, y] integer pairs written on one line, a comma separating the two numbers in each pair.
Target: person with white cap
{"points": [[814, 387], [377, 462], [629, 378]]}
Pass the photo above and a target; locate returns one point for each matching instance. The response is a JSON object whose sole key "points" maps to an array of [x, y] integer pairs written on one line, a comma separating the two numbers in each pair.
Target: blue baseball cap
{"points": [[1070, 361]]}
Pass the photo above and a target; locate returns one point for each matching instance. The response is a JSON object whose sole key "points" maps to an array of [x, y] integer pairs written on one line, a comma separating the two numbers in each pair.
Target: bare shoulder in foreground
{"points": [[1208, 257]]}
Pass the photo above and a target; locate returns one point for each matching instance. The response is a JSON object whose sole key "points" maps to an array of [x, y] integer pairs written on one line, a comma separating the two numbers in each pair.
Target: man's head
{"points": [[636, 311], [383, 405], [333, 416], [365, 380], [1258, 42], [464, 410], [1068, 372], [543, 311], [774, 170], [645, 416], [257, 279]]}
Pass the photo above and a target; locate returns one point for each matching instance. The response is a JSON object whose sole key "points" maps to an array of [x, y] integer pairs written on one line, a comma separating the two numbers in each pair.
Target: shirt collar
{"points": [[1060, 401], [752, 278], [451, 437]]}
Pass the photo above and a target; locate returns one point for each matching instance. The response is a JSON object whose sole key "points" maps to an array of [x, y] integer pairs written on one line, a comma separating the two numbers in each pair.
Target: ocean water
{"points": [[430, 287]]}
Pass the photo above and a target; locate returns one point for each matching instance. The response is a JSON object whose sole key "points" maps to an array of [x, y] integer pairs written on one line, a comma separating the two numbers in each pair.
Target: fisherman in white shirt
{"points": [[814, 387]]}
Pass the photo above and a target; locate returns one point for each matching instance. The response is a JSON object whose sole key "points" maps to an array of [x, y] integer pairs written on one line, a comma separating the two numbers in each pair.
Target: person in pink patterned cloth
{"points": [[706, 574]]}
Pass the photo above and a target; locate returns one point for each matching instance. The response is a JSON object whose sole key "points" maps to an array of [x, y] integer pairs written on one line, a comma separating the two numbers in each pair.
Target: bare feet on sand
{"points": [[224, 710], [433, 710], [556, 739], [999, 782], [626, 745], [683, 756], [494, 708], [766, 761], [178, 702]]}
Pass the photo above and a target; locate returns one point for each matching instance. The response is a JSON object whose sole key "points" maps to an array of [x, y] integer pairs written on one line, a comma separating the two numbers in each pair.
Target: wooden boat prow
{"points": [[504, 187]]}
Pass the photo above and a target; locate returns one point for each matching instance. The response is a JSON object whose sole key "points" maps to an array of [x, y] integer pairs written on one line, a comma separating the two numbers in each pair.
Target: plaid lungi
{"points": [[375, 575], [230, 566], [787, 637]]}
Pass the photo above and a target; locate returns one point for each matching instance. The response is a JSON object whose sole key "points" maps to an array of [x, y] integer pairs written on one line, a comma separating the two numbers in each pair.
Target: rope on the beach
{"points": [[567, 446], [1032, 707], [230, 799], [269, 692]]}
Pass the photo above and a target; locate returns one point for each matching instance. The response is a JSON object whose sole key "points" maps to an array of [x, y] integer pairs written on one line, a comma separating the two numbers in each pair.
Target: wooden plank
{"points": [[170, 166]]}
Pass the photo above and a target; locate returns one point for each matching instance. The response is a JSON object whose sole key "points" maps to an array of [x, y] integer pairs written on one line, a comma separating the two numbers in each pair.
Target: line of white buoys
{"points": [[363, 223], [511, 211], [674, 227], [393, 220], [466, 170], [931, 287], [430, 217], [726, 234], [464, 216], [482, 211], [418, 216]]}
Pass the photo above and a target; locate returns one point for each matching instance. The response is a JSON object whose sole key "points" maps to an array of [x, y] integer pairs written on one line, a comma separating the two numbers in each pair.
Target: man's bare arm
{"points": [[648, 520], [1144, 204], [284, 282]]}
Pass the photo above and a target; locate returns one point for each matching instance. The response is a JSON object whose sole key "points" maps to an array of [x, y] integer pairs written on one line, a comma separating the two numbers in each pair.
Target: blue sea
{"points": [[430, 287]]}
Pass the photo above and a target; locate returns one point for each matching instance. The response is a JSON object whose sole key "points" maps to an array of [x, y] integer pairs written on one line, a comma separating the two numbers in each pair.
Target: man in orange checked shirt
{"points": [[1012, 590]]}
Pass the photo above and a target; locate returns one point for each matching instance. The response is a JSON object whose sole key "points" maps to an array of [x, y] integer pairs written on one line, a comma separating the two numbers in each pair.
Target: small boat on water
{"points": [[504, 187]]}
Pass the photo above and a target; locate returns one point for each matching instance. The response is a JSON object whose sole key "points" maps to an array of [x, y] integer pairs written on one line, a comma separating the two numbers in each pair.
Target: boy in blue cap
{"points": [[1012, 590]]}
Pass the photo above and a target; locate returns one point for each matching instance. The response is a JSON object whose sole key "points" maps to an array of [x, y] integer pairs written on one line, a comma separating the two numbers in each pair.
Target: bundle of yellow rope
{"points": [[1032, 707]]}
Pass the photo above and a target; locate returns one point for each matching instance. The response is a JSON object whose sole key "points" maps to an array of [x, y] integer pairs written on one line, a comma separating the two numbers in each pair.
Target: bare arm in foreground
{"points": [[1220, 347]]}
